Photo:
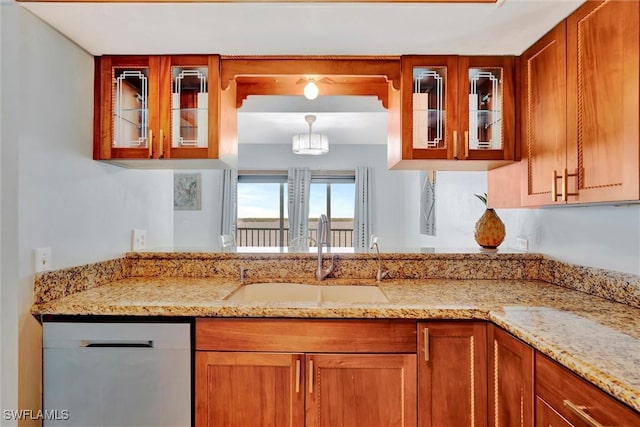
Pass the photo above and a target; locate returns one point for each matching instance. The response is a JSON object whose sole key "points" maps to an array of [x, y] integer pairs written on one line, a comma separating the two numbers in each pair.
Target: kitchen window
{"points": [[262, 207]]}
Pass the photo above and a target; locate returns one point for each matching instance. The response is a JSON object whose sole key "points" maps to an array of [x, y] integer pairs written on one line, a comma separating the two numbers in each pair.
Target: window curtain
{"points": [[299, 187], [229, 203], [362, 216], [428, 203]]}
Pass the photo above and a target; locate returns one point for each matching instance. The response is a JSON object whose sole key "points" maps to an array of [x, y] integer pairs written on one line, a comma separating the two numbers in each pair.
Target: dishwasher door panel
{"points": [[120, 380]]}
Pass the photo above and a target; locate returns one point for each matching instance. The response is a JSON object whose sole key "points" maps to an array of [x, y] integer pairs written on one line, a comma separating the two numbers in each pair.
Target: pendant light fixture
{"points": [[310, 143]]}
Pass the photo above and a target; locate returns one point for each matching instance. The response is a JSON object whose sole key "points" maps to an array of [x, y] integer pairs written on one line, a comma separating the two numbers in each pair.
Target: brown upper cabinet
{"points": [[163, 109], [456, 112], [580, 126], [603, 103]]}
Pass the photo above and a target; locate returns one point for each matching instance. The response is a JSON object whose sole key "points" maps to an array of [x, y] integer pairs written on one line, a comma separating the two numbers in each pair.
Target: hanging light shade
{"points": [[310, 143]]}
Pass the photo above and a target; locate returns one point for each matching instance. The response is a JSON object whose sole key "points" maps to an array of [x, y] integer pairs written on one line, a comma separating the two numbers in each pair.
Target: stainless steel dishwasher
{"points": [[117, 374]]}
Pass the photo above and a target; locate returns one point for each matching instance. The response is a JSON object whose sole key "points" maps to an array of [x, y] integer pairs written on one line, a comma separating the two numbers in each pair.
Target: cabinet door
{"points": [[126, 107], [452, 374], [603, 41], [510, 380], [546, 416], [487, 107], [353, 390], [189, 107], [544, 116], [249, 389], [429, 107]]}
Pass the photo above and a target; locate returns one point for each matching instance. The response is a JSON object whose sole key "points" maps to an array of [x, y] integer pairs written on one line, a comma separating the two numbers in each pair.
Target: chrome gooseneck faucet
{"points": [[380, 274], [323, 240]]}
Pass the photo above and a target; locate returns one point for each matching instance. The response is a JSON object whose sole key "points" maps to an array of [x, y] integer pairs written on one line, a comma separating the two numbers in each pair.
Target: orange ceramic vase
{"points": [[489, 230]]}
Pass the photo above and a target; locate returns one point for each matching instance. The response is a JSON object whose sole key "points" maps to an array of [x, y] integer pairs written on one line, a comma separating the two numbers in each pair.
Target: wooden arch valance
{"points": [[337, 75]]}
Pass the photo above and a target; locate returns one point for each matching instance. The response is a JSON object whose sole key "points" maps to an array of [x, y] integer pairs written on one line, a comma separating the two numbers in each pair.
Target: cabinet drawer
{"points": [[570, 395], [313, 335]]}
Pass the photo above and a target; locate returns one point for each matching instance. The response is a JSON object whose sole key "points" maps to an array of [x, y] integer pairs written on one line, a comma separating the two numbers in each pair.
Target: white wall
{"points": [[596, 236], [200, 229], [53, 193]]}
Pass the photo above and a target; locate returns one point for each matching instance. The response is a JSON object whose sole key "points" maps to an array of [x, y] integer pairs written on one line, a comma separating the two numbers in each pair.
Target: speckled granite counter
{"points": [[596, 338]]}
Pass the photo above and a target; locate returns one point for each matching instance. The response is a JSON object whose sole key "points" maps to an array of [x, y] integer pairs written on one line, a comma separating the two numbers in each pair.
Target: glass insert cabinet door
{"points": [[126, 107], [487, 110], [429, 106]]}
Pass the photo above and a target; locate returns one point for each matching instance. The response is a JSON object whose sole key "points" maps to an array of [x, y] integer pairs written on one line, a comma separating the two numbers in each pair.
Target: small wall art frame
{"points": [[187, 192]]}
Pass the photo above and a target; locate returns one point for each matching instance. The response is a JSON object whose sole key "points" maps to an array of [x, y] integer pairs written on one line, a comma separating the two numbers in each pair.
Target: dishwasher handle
{"points": [[116, 344]]}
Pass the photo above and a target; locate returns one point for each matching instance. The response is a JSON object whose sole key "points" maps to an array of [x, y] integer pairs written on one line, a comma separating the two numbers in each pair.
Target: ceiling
{"points": [[507, 27]]}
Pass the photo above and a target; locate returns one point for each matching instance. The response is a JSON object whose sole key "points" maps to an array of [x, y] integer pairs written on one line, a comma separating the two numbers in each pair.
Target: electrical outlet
{"points": [[42, 259], [138, 239], [522, 244]]}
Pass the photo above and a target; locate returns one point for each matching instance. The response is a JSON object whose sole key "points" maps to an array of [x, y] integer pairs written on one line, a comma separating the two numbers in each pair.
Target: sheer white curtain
{"points": [[299, 186], [428, 203], [363, 215], [229, 203]]}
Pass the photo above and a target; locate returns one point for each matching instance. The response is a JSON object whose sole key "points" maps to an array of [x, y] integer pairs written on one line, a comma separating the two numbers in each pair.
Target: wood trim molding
{"points": [[315, 67]]}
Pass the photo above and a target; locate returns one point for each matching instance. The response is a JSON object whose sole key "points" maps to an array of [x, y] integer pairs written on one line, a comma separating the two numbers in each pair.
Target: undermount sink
{"points": [[303, 293]]}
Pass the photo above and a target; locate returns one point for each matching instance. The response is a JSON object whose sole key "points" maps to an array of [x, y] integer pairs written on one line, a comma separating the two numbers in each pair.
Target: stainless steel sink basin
{"points": [[303, 293]]}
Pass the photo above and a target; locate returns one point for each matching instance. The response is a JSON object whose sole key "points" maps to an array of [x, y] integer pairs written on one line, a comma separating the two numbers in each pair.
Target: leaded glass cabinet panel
{"points": [[130, 107], [189, 106], [428, 100], [485, 108]]}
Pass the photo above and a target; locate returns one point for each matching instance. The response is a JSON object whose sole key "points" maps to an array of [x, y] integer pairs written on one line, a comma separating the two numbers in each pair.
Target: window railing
{"points": [[262, 236]]}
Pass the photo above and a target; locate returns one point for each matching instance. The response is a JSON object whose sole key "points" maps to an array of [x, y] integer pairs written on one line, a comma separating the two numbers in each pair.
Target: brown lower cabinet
{"points": [[386, 373], [348, 377], [452, 374], [510, 380]]}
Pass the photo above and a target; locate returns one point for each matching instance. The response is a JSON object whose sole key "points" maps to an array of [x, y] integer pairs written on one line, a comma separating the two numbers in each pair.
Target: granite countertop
{"points": [[595, 338]]}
